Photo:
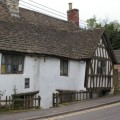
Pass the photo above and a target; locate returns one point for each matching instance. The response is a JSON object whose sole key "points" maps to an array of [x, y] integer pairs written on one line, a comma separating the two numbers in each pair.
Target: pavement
{"points": [[65, 109]]}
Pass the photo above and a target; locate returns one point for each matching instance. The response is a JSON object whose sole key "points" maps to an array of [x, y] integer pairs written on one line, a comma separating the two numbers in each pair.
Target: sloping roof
{"points": [[24, 37], [117, 55], [36, 18], [36, 33]]}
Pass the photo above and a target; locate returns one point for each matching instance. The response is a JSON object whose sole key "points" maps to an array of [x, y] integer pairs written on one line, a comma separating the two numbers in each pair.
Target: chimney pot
{"points": [[70, 6]]}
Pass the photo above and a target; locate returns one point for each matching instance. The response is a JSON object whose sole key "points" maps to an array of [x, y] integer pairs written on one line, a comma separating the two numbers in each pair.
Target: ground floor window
{"points": [[27, 83], [12, 64], [64, 67]]}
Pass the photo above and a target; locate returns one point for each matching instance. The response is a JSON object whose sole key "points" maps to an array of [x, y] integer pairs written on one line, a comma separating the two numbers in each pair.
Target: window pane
{"points": [[61, 67], [27, 82], [103, 65], [65, 68], [20, 60], [15, 64], [8, 68], [20, 67], [8, 59], [99, 67], [15, 68], [3, 68], [3, 59], [99, 63], [15, 60]]}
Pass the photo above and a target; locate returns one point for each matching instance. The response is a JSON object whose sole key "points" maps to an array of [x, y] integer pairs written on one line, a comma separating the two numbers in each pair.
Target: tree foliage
{"points": [[112, 29], [92, 23]]}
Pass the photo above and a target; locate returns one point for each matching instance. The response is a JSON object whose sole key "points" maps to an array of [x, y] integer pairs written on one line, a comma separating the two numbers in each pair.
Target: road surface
{"points": [[109, 112]]}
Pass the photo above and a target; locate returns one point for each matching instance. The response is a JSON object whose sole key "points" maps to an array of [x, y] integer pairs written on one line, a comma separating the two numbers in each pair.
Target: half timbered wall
{"points": [[100, 70]]}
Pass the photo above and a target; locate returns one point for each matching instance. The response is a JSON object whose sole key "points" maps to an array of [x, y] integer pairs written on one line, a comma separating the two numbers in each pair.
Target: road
{"points": [[78, 106], [109, 112]]}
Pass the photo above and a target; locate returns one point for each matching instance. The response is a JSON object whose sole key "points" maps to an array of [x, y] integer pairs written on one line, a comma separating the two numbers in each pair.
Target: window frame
{"points": [[64, 65], [12, 64], [101, 67], [27, 83]]}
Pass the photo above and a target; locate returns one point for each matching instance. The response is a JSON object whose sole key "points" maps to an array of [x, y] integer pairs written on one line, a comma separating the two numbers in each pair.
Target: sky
{"points": [[108, 10]]}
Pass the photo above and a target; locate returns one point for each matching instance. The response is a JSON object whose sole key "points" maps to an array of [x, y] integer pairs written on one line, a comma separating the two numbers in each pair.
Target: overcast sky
{"points": [[102, 9]]}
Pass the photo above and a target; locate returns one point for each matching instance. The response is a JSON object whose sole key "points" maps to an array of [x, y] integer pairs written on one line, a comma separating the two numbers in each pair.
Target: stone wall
{"points": [[117, 78]]}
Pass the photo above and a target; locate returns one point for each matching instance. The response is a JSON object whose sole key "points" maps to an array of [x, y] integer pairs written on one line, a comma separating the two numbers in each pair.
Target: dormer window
{"points": [[12, 64]]}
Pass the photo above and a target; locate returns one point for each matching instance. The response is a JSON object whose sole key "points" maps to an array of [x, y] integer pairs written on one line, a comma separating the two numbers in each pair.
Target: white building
{"points": [[43, 55]]}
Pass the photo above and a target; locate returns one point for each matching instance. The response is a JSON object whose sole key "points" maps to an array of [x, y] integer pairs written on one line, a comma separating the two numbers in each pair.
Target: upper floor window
{"points": [[12, 64], [64, 67], [101, 67]]}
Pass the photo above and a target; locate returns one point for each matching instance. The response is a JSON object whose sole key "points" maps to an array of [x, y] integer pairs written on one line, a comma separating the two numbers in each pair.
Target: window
{"points": [[64, 67], [27, 82], [12, 64], [101, 67]]}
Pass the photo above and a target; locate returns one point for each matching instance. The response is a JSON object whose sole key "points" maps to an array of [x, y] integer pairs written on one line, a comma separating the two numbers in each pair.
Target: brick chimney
{"points": [[13, 6], [73, 15]]}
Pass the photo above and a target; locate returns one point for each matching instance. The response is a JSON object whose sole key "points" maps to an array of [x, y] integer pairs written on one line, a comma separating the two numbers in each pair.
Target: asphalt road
{"points": [[109, 112]]}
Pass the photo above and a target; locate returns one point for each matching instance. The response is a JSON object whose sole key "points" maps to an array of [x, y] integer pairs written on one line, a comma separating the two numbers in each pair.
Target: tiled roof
{"points": [[117, 55], [24, 37], [36, 33], [36, 18]]}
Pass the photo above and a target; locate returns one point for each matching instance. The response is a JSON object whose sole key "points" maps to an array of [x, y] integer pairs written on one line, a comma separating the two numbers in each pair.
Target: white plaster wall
{"points": [[50, 78], [44, 74], [9, 81]]}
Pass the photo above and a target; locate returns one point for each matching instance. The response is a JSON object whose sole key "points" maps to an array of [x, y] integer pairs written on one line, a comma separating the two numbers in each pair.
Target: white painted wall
{"points": [[44, 74], [9, 81], [50, 78]]}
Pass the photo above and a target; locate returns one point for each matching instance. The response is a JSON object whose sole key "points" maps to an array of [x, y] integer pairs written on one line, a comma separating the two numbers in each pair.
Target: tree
{"points": [[113, 33], [112, 29], [92, 23]]}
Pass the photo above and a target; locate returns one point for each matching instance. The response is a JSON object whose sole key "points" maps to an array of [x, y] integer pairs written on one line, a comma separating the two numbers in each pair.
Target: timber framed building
{"points": [[40, 54]]}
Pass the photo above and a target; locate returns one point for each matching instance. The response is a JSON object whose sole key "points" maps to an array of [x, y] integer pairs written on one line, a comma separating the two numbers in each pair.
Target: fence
{"points": [[63, 97], [18, 103]]}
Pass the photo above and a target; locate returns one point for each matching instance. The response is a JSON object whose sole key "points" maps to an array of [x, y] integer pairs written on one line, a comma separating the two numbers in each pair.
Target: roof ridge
{"points": [[43, 14]]}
